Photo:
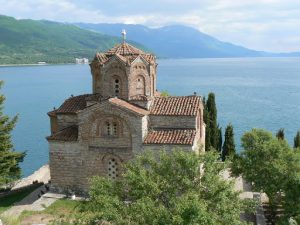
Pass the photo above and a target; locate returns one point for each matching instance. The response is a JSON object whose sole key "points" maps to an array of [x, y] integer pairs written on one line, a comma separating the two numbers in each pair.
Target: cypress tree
{"points": [[9, 159], [229, 145], [220, 139], [207, 129], [297, 140], [280, 134], [212, 133]]}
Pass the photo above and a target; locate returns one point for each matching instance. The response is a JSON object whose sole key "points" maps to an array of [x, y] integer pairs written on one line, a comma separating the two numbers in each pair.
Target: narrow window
{"points": [[108, 129], [115, 129], [140, 88], [117, 87], [112, 169]]}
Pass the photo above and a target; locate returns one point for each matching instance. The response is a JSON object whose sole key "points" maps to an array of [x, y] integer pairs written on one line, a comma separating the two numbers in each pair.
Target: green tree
{"points": [[280, 134], [229, 145], [220, 139], [165, 188], [297, 140], [165, 93], [9, 159], [210, 118], [272, 167]]}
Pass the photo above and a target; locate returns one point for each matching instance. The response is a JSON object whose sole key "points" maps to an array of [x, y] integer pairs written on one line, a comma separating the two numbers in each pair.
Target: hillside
{"points": [[176, 41], [31, 41]]}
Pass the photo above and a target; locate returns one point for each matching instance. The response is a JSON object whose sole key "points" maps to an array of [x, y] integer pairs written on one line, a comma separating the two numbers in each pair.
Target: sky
{"points": [[268, 25]]}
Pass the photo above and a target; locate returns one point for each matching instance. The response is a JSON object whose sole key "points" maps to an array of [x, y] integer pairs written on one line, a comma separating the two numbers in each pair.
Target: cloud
{"points": [[271, 25]]}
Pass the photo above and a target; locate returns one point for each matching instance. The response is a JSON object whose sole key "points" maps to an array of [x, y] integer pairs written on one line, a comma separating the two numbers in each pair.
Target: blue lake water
{"points": [[250, 92]]}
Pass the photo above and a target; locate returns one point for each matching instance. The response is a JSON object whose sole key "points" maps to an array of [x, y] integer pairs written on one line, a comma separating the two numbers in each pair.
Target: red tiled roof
{"points": [[77, 103], [125, 52], [101, 57], [124, 49], [73, 104], [129, 106], [171, 136], [67, 134], [176, 106]]}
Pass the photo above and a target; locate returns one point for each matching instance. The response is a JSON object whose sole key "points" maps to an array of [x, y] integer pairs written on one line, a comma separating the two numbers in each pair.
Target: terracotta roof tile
{"points": [[124, 49], [73, 104], [77, 103], [129, 106], [101, 57], [126, 52], [171, 136], [176, 106], [67, 134]]}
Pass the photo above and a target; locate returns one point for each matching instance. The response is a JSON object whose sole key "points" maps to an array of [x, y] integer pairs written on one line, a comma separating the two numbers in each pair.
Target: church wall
{"points": [[134, 127], [139, 79], [160, 147], [110, 72], [66, 120], [65, 163], [53, 124], [96, 162], [184, 122]]}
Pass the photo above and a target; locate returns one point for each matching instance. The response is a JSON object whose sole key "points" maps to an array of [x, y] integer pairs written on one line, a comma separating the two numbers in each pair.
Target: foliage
{"points": [[9, 159], [229, 145], [30, 41], [165, 188], [165, 93], [280, 134], [212, 132], [272, 167], [297, 140], [220, 139]]}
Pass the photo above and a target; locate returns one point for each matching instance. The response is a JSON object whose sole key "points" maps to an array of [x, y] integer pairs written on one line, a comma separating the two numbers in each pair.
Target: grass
{"points": [[8, 201], [59, 209]]}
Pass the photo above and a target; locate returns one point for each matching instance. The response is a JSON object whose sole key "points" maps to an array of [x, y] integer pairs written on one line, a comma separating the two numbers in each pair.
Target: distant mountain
{"points": [[179, 41], [31, 41], [175, 41]]}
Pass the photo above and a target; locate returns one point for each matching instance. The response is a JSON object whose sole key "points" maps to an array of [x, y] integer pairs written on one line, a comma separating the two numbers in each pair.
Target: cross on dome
{"points": [[124, 35]]}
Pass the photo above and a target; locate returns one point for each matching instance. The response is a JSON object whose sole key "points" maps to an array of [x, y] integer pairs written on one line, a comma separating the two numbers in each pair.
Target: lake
{"points": [[250, 92]]}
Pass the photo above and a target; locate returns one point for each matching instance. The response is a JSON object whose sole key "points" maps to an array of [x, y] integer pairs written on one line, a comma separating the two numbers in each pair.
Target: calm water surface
{"points": [[250, 92]]}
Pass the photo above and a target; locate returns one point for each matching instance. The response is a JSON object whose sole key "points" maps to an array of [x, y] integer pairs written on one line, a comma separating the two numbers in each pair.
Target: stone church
{"points": [[94, 134]]}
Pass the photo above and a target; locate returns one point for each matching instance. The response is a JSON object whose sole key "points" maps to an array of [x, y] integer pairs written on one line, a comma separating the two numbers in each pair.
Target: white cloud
{"points": [[271, 25]]}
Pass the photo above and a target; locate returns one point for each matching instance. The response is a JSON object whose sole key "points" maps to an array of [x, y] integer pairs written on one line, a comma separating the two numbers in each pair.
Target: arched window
{"points": [[116, 87], [112, 168], [111, 128]]}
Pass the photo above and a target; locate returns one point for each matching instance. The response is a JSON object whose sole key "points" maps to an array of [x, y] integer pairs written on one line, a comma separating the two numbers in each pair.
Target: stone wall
{"points": [[66, 120], [183, 122], [160, 147], [64, 162]]}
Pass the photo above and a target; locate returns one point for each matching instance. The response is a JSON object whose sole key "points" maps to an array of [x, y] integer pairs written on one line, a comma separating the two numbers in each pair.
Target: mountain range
{"points": [[30, 41]]}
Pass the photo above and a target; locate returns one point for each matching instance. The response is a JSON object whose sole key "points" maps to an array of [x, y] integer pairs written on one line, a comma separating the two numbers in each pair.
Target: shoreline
{"points": [[41, 175], [36, 64]]}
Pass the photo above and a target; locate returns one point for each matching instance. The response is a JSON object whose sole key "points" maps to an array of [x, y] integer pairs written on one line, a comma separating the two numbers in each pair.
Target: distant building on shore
{"points": [[96, 133], [81, 60]]}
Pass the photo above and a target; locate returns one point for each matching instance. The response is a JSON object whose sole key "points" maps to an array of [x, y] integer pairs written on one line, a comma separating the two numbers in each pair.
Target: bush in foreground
{"points": [[165, 188]]}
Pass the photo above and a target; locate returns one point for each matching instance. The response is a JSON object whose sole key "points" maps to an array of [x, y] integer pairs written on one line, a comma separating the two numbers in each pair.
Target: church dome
{"points": [[124, 49]]}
